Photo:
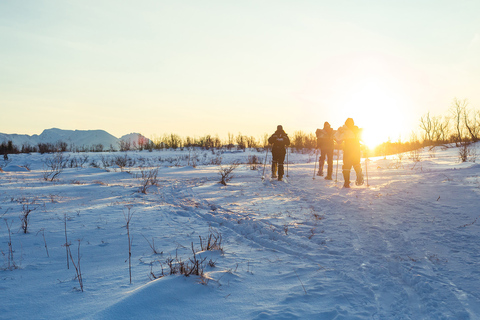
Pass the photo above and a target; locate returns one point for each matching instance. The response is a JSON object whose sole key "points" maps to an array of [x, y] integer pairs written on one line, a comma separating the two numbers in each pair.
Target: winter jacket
{"points": [[351, 137], [279, 140], [325, 138]]}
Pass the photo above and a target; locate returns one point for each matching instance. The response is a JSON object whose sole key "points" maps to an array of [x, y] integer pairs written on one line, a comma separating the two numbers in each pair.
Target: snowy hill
{"points": [[19, 139], [406, 246], [71, 137], [134, 140]]}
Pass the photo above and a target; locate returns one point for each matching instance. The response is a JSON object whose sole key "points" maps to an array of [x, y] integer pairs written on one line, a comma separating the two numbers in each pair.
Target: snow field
{"points": [[406, 247]]}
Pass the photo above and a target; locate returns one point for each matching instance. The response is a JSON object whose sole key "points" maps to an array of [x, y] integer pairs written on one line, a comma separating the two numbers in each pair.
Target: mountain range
{"points": [[79, 138]]}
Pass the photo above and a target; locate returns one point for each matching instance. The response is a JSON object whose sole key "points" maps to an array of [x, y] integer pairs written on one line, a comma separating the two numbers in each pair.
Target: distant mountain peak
{"points": [[78, 138]]}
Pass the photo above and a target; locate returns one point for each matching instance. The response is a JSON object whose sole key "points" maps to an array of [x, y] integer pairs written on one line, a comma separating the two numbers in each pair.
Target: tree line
{"points": [[300, 141], [460, 126]]}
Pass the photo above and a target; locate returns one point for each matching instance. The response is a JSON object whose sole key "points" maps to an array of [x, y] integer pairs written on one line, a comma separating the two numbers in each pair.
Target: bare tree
{"points": [[457, 111], [444, 129], [426, 125], [471, 122]]}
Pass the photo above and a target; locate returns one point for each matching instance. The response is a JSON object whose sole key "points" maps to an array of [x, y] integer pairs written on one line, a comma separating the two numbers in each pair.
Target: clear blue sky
{"points": [[197, 67]]}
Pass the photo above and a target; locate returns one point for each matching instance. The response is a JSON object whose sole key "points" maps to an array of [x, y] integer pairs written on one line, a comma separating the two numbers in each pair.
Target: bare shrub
{"points": [[192, 266], [317, 216], [212, 264], [467, 152], [152, 245], [212, 242], [128, 217], [106, 161], [44, 240], [124, 161], [226, 173], [121, 161], [25, 216], [67, 244], [254, 162], [124, 145], [73, 163], [415, 157], [10, 261], [54, 166], [76, 265], [217, 160], [149, 178], [82, 160]]}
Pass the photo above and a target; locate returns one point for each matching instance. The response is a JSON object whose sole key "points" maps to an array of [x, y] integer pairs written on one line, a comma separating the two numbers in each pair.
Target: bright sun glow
{"points": [[375, 108], [374, 90]]}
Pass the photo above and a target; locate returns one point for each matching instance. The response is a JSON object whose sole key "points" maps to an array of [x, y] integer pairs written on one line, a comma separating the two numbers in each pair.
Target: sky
{"points": [[220, 66]]}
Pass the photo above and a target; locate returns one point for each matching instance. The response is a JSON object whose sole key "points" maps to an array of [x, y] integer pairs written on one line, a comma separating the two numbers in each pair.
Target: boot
{"points": [[274, 169], [320, 170], [329, 173], [280, 171], [346, 177], [358, 172]]}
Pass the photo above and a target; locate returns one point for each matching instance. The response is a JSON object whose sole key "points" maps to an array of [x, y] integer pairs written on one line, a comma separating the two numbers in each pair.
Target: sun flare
{"points": [[374, 90], [375, 108]]}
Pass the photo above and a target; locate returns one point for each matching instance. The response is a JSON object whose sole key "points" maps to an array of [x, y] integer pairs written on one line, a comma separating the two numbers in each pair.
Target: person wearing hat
{"points": [[350, 135], [280, 141], [325, 144]]}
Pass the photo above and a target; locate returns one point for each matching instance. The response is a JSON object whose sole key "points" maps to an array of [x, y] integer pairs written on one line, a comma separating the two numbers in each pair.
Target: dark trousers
{"points": [[349, 161], [328, 154], [278, 155]]}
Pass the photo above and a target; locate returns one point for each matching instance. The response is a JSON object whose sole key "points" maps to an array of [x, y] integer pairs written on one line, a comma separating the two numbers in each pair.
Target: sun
{"points": [[373, 89], [375, 108]]}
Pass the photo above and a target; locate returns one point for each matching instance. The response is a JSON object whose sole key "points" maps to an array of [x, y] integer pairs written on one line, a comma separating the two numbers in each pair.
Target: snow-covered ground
{"points": [[405, 247]]}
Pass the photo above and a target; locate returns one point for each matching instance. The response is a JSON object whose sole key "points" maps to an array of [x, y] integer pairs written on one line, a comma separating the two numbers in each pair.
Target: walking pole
{"points": [[366, 168], [336, 170], [265, 164], [287, 162], [315, 166]]}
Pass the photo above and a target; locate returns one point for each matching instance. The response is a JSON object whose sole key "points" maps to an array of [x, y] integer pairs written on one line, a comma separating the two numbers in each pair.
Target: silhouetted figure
{"points": [[325, 144], [280, 141], [5, 156], [349, 134]]}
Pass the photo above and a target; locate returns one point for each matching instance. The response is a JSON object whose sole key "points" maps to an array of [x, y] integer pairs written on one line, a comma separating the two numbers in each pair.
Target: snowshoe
{"points": [[346, 178], [359, 181]]}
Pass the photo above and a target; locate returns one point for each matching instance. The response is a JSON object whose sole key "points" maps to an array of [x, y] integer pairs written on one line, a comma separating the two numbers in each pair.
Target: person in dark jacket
{"points": [[350, 135], [325, 144], [280, 141]]}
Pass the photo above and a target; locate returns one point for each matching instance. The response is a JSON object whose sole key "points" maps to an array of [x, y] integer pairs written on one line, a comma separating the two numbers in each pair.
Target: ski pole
{"points": [[265, 164], [336, 170], [287, 162], [315, 166], [366, 167]]}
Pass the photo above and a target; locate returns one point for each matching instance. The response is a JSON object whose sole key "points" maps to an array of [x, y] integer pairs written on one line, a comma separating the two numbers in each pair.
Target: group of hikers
{"points": [[348, 135]]}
